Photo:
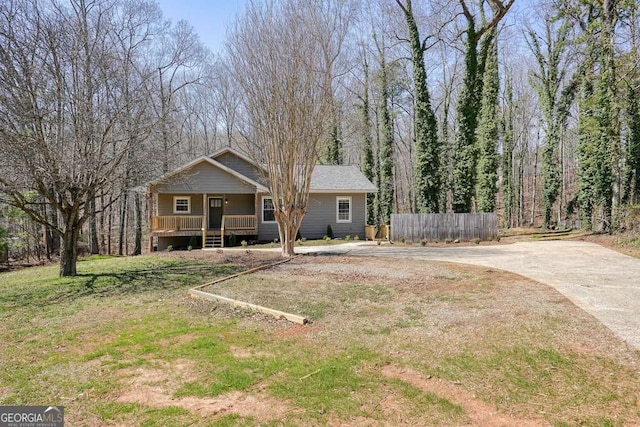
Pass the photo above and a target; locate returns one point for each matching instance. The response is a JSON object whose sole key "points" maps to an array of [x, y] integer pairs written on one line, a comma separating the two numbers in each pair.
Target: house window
{"points": [[343, 209], [182, 205], [268, 211]]}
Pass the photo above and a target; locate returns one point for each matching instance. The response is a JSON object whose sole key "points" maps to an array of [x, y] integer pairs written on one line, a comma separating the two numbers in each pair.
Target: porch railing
{"points": [[239, 222], [176, 223]]}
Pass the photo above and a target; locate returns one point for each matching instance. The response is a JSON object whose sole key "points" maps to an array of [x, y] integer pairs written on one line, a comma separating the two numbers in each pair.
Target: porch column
{"points": [[256, 210], [150, 213], [205, 209]]}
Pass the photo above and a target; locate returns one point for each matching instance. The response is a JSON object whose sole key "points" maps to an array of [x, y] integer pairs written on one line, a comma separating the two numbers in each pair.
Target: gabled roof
{"points": [[212, 162], [324, 178], [237, 153], [349, 179]]}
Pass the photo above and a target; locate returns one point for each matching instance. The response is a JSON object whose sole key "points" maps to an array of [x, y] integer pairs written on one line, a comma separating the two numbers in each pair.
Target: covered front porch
{"points": [[209, 216]]}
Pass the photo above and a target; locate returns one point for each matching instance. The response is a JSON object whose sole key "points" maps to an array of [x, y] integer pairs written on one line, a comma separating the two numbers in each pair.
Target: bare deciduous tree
{"points": [[282, 56], [61, 107]]}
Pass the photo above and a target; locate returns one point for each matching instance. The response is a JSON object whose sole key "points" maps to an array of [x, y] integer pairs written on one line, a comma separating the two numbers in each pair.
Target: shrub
{"points": [[329, 231], [448, 240], [192, 242], [189, 248], [244, 244], [423, 243], [232, 240], [347, 237], [169, 248], [476, 241], [356, 237]]}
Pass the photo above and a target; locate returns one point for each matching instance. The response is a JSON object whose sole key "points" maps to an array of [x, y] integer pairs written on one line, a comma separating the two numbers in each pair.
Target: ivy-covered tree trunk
{"points": [[386, 187], [367, 162], [465, 138], [606, 133], [507, 158], [631, 193], [468, 107], [428, 148], [334, 144], [555, 102], [586, 153], [488, 135]]}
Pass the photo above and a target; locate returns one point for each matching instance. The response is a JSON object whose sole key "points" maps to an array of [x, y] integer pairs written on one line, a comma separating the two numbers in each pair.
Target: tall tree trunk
{"points": [[69, 249], [386, 146], [367, 161], [534, 187], [137, 250], [427, 169], [507, 159], [101, 234], [123, 223], [93, 229], [488, 135]]}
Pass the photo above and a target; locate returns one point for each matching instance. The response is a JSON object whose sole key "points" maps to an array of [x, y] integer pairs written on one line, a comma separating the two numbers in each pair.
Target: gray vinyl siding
{"points": [[266, 230], [204, 178], [239, 165], [240, 204], [321, 211], [165, 204]]}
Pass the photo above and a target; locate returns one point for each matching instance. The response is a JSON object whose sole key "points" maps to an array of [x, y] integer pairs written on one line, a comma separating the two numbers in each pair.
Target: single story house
{"points": [[225, 194]]}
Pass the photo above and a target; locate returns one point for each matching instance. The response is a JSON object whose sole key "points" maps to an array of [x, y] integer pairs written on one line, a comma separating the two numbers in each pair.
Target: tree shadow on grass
{"points": [[112, 284]]}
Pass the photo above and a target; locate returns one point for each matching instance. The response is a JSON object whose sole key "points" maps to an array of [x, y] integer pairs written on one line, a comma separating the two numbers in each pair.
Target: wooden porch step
{"points": [[213, 242]]}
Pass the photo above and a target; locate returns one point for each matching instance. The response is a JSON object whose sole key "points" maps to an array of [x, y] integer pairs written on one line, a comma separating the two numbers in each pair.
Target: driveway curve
{"points": [[602, 282]]}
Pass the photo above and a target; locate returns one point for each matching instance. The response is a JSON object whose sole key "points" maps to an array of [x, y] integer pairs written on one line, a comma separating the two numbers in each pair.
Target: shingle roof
{"points": [[340, 178]]}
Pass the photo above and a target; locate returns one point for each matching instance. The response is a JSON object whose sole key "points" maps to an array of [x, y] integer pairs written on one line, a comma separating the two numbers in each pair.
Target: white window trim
{"points": [[338, 200], [262, 210], [177, 212]]}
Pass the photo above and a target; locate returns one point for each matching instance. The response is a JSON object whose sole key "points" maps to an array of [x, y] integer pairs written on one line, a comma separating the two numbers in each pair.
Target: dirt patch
{"points": [[155, 387], [478, 412]]}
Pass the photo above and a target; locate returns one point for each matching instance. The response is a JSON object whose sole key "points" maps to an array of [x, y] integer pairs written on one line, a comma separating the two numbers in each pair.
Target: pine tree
{"points": [[488, 134], [426, 128]]}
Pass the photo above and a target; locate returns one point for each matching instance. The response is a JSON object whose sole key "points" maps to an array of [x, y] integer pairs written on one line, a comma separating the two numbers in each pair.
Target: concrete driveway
{"points": [[602, 282]]}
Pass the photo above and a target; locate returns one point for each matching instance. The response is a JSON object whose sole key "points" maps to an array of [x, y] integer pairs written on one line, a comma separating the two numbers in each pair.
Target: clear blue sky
{"points": [[209, 17]]}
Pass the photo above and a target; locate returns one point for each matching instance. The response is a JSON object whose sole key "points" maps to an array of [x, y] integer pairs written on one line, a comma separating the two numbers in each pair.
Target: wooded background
{"points": [[525, 108]]}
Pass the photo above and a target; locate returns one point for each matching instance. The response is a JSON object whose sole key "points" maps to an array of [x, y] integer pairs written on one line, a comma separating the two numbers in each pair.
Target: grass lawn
{"points": [[391, 343]]}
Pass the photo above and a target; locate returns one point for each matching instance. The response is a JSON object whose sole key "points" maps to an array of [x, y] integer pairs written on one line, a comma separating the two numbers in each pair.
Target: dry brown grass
{"points": [[519, 346]]}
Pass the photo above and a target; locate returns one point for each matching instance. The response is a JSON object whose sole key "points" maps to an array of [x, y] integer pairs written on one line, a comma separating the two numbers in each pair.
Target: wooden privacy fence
{"points": [[430, 227]]}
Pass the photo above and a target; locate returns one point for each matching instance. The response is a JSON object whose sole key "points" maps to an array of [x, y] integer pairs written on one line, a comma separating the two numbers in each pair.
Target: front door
{"points": [[215, 212]]}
